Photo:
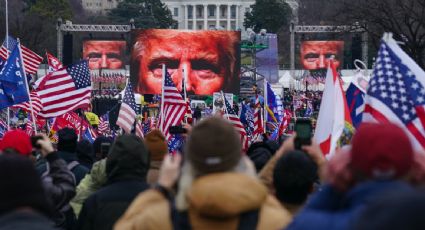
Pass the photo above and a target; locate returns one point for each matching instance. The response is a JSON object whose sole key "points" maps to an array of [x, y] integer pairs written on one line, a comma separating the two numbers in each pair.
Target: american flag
{"points": [[31, 59], [139, 129], [174, 106], [65, 90], [127, 113], [103, 127], [285, 122], [188, 115], [396, 92], [232, 116], [3, 127], [29, 129], [258, 121], [146, 125], [36, 104]]}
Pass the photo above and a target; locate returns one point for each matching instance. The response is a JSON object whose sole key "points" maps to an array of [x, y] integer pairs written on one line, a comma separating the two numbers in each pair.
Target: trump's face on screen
{"points": [[209, 57]]}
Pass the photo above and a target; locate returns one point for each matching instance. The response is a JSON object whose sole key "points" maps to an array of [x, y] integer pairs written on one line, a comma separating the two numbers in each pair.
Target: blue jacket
{"points": [[329, 209]]}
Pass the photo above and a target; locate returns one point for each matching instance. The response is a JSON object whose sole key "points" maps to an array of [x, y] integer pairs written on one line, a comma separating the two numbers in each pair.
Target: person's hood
{"points": [[98, 173], [68, 156], [128, 159], [225, 195]]}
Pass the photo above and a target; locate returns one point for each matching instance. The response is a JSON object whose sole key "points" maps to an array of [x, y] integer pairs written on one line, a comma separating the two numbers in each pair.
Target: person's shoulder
{"points": [[150, 210], [273, 215]]}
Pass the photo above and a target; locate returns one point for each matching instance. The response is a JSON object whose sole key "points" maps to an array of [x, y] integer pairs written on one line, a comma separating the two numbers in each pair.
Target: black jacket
{"points": [[23, 220], [126, 169], [59, 184]]}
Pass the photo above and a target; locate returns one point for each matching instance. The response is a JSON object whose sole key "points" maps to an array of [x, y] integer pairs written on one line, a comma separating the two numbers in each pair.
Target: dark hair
{"points": [[294, 176], [84, 152], [21, 185], [259, 153], [67, 140]]}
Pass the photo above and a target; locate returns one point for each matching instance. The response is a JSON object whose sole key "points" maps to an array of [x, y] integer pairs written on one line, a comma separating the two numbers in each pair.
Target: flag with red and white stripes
{"points": [[285, 122], [139, 129], [188, 115], [103, 127], [127, 113], [30, 58], [174, 106], [53, 63], [258, 121], [36, 104], [232, 116], [65, 90]]}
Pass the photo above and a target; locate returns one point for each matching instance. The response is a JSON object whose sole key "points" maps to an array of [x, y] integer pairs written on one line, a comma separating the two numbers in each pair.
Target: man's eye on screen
{"points": [[311, 56], [156, 67], [94, 55], [329, 55], [205, 65]]}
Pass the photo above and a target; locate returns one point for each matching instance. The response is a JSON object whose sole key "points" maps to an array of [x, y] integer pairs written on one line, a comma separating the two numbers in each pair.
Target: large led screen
{"points": [[211, 58], [316, 54], [104, 54]]}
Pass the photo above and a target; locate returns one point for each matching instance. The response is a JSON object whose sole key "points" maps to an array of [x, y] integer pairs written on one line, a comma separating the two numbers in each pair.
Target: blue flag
{"points": [[356, 103], [87, 136], [12, 81], [272, 110], [175, 143]]}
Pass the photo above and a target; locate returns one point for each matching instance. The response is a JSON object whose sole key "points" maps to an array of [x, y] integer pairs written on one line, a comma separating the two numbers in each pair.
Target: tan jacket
{"points": [[215, 202]]}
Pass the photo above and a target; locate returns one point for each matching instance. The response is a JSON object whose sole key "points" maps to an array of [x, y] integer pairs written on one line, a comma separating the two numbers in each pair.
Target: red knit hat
{"points": [[18, 140], [381, 151]]}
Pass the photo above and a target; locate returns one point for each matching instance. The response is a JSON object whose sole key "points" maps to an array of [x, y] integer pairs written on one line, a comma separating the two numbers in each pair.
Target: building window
{"points": [[211, 11], [199, 12], [223, 12], [233, 11], [190, 11], [176, 11], [247, 9]]}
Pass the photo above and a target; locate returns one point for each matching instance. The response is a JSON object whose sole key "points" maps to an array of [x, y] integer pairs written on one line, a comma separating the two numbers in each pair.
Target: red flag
{"points": [[53, 62]]}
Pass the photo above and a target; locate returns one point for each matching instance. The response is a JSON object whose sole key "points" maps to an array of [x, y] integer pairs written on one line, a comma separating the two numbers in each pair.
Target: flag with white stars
{"points": [[30, 59], [127, 114], [396, 92], [13, 89], [65, 90]]}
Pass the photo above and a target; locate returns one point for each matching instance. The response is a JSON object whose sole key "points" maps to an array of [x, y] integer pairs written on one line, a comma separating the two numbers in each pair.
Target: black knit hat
{"points": [[20, 185], [67, 140], [213, 146]]}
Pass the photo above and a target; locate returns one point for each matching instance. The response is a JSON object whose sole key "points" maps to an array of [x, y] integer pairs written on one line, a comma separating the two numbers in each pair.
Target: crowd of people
{"points": [[134, 183]]}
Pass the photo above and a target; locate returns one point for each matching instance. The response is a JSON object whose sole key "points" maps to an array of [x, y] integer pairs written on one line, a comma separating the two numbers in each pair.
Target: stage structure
{"points": [[305, 29]]}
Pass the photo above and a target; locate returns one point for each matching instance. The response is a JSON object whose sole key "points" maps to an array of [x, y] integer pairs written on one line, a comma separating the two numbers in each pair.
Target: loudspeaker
{"points": [[67, 49]]}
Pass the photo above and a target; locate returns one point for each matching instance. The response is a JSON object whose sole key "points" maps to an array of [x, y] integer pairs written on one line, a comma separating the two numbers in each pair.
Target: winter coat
{"points": [[23, 220], [59, 185], [78, 169], [126, 169], [329, 209], [90, 184], [216, 201]]}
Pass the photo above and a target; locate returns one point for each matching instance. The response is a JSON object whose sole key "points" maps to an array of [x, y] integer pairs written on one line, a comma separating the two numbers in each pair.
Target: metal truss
{"points": [[69, 27], [328, 29]]}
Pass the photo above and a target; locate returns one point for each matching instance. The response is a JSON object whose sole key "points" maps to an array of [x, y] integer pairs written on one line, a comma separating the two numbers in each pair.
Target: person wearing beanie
{"points": [[217, 189], [23, 202], [67, 144], [58, 183], [157, 147], [378, 163], [85, 154], [126, 168]]}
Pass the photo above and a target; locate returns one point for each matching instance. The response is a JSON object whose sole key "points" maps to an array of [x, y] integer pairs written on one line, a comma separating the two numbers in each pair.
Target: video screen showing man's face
{"points": [[104, 54], [211, 58], [316, 54]]}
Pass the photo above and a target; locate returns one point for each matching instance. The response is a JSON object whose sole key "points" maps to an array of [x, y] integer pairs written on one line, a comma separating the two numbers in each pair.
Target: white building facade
{"points": [[99, 6], [208, 14]]}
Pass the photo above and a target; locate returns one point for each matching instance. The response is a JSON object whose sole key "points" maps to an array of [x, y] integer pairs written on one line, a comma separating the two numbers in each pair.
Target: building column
{"points": [[228, 17], [186, 17], [194, 17], [237, 17], [217, 15], [205, 17]]}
